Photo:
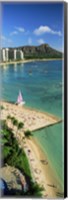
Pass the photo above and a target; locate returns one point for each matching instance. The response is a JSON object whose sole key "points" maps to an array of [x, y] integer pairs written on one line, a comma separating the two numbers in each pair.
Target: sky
{"points": [[32, 24]]}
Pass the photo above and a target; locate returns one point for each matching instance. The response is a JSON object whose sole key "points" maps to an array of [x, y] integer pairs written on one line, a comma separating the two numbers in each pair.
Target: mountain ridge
{"points": [[41, 51]]}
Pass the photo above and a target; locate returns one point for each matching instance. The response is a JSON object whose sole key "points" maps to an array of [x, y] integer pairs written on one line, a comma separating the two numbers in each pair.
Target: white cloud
{"points": [[6, 41], [3, 38], [46, 29], [29, 41], [20, 29], [13, 33], [40, 41]]}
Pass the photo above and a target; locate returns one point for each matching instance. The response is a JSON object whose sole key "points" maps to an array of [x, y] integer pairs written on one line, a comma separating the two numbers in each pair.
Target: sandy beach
{"points": [[28, 60], [32, 119], [41, 170], [41, 173]]}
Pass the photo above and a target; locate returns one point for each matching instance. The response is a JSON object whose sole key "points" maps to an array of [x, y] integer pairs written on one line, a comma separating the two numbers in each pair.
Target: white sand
{"points": [[32, 119]]}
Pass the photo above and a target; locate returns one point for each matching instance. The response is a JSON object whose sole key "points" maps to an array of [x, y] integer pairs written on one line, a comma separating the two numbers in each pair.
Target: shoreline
{"points": [[48, 171], [42, 172], [33, 119], [34, 109], [29, 60]]}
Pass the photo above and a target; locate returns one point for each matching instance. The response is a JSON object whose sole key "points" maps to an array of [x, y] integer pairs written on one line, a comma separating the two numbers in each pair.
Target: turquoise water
{"points": [[41, 86], [50, 140]]}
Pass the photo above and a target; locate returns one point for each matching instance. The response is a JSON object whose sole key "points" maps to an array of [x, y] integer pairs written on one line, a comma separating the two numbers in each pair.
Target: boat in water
{"points": [[20, 100]]}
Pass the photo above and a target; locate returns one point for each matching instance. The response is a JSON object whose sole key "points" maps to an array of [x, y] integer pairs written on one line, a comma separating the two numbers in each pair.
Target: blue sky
{"points": [[32, 24]]}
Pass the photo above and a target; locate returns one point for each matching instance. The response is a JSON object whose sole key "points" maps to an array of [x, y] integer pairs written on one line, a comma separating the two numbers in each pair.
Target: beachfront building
{"points": [[20, 55], [10, 54], [4, 55], [15, 54], [7, 54]]}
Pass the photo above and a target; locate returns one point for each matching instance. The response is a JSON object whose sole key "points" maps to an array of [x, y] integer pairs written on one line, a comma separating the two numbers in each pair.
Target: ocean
{"points": [[41, 85]]}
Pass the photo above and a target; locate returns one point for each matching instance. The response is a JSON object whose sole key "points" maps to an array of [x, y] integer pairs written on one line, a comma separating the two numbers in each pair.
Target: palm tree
{"points": [[1, 107], [12, 118], [34, 190], [4, 125], [28, 133], [20, 125], [14, 122], [8, 117]]}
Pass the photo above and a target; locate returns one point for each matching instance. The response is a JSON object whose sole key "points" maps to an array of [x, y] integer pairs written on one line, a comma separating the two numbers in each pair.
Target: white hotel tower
{"points": [[15, 54], [21, 55], [6, 54]]}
